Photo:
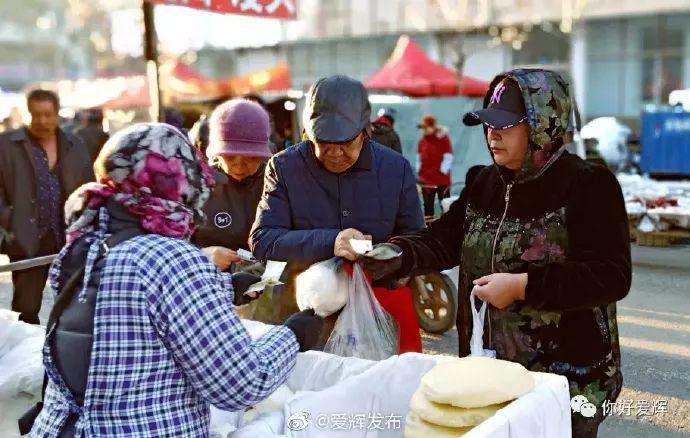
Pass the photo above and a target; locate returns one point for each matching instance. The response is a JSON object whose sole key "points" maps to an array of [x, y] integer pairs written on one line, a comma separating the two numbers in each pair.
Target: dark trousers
{"points": [[429, 195], [29, 284], [586, 427]]}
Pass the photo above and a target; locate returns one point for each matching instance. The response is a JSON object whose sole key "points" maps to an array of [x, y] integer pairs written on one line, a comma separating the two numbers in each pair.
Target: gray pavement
{"points": [[654, 321]]}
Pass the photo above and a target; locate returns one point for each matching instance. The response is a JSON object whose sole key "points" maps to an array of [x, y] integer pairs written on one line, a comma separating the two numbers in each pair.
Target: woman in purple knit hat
{"points": [[239, 132]]}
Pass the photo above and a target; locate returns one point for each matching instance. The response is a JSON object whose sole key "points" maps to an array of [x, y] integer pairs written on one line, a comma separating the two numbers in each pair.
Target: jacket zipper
{"points": [[493, 249]]}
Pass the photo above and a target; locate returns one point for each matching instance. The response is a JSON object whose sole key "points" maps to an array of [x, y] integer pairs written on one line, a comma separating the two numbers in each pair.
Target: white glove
{"points": [[418, 164], [447, 163]]}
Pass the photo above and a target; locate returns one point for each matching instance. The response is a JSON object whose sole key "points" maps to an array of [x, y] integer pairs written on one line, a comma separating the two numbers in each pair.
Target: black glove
{"points": [[377, 267], [307, 328], [240, 283]]}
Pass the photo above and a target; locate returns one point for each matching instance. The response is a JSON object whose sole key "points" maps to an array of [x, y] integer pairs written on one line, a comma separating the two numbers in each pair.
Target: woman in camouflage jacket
{"points": [[545, 243]]}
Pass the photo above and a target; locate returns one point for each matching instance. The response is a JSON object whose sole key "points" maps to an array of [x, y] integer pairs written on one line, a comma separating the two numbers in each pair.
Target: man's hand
{"points": [[501, 290], [220, 256], [342, 247]]}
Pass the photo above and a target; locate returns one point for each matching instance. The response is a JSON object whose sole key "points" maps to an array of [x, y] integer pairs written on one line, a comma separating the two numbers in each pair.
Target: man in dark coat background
{"points": [[383, 130], [91, 132], [40, 165]]}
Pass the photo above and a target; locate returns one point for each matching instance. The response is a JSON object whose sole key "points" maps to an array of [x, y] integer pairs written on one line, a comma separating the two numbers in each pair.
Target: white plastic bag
{"points": [[322, 287], [363, 328], [477, 339]]}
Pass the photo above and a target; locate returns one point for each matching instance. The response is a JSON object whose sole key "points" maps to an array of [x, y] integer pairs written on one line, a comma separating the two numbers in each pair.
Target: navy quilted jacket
{"points": [[304, 206]]}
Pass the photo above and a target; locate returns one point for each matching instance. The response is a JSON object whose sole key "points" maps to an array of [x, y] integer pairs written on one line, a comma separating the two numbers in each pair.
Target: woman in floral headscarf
{"points": [[145, 335]]}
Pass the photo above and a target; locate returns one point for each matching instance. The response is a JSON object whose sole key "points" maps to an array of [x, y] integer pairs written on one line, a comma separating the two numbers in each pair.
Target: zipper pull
{"points": [[510, 186]]}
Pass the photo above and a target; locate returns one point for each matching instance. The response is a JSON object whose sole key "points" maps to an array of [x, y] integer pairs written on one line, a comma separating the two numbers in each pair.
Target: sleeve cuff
{"points": [[534, 295]]}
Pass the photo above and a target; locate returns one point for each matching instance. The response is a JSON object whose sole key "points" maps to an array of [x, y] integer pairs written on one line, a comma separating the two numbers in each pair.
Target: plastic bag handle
{"points": [[478, 316]]}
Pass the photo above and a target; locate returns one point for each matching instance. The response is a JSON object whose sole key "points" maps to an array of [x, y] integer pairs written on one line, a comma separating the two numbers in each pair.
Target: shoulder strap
{"points": [[67, 292]]}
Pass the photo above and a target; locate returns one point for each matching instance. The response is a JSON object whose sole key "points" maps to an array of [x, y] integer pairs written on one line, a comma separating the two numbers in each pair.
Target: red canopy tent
{"points": [[134, 95], [184, 82], [410, 71]]}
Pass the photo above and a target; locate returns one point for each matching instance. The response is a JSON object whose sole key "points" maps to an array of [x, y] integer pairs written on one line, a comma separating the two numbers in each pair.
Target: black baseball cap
{"points": [[506, 108], [337, 110]]}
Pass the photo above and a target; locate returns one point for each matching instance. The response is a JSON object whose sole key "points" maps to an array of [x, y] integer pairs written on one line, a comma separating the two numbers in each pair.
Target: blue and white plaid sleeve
{"points": [[197, 320]]}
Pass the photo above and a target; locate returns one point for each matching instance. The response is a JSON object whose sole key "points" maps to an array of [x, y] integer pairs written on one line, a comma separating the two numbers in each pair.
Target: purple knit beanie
{"points": [[239, 127]]}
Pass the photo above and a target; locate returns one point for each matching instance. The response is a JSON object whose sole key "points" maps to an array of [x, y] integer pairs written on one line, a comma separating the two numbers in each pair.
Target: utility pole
{"points": [[151, 56]]}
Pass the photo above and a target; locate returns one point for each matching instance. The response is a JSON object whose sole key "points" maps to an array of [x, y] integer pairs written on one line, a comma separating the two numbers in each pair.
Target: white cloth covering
{"points": [[324, 385]]}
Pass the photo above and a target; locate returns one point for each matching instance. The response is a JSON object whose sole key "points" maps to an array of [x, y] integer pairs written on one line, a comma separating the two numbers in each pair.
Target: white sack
{"points": [[323, 287]]}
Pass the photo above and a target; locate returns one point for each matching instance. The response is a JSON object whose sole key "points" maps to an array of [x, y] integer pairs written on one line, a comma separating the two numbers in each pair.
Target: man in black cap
{"points": [[336, 186]]}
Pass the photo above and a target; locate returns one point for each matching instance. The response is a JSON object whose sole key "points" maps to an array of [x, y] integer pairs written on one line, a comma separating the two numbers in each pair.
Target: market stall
{"points": [[327, 388], [658, 212]]}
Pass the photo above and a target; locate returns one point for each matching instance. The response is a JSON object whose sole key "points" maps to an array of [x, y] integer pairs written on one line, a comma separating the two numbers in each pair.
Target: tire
{"points": [[436, 315]]}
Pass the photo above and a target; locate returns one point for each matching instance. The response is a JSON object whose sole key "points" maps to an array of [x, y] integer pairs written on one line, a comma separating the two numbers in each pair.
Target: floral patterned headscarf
{"points": [[550, 114], [153, 170]]}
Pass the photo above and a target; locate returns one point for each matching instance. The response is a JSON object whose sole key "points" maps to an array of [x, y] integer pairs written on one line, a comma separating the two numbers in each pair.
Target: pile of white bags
{"points": [[21, 370]]}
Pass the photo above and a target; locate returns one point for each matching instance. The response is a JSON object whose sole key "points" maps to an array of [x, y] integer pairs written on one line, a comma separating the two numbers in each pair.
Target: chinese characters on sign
{"points": [[281, 9]]}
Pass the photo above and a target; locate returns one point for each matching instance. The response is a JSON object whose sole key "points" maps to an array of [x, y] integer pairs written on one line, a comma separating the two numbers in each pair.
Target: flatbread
{"points": [[415, 427], [475, 382], [450, 416]]}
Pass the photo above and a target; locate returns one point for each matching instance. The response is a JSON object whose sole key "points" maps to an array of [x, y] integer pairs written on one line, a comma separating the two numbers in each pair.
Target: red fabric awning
{"points": [[134, 95], [410, 71], [280, 9], [184, 82]]}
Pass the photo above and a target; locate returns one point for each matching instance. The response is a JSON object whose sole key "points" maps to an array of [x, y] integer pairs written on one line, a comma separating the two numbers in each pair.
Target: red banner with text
{"points": [[280, 9]]}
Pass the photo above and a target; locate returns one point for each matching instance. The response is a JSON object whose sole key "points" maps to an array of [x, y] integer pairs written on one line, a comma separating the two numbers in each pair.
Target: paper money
{"points": [[361, 246], [383, 252]]}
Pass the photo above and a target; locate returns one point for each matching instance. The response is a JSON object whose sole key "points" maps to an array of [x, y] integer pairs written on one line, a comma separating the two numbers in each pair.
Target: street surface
{"points": [[654, 322]]}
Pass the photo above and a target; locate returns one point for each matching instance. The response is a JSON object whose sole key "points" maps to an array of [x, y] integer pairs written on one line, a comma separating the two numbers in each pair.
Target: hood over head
{"points": [[548, 105]]}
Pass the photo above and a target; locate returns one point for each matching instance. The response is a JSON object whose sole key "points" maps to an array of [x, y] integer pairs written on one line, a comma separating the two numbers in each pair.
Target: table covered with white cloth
{"points": [[324, 396]]}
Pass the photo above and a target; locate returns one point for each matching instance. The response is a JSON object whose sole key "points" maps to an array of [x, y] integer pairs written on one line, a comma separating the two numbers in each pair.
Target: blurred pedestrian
{"points": [[91, 131], [542, 237], [146, 326], [435, 161], [40, 165], [198, 135], [174, 118], [70, 125], [238, 149], [336, 186], [383, 131], [277, 142]]}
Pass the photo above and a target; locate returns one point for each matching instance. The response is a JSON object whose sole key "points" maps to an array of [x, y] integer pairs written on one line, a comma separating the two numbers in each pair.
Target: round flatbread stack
{"points": [[450, 416], [475, 382], [456, 396]]}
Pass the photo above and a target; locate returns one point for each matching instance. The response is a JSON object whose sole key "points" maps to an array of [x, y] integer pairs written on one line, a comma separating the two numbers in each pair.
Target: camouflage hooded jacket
{"points": [[561, 220]]}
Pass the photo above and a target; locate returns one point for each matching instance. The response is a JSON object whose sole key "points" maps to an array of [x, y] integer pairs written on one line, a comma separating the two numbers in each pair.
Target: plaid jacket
{"points": [[167, 343]]}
